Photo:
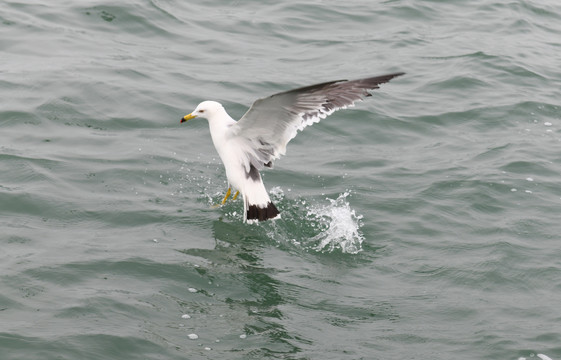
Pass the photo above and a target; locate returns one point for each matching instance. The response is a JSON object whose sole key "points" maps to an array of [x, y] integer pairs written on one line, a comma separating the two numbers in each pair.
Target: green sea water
{"points": [[424, 223]]}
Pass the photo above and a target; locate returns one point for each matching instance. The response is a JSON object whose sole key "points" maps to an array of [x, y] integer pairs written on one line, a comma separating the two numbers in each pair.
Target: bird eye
{"points": [[201, 111]]}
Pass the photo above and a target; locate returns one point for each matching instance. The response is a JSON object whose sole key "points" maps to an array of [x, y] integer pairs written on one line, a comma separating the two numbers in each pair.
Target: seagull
{"points": [[252, 143]]}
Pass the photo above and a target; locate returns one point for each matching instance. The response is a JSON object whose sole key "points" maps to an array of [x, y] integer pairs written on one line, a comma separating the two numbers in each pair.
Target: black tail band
{"points": [[257, 213]]}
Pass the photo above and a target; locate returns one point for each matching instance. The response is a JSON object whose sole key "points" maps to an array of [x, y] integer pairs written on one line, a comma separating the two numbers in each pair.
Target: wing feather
{"points": [[272, 122]]}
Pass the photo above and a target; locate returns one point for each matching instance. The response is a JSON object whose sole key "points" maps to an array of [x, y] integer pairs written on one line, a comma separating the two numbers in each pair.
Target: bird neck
{"points": [[220, 118], [219, 123]]}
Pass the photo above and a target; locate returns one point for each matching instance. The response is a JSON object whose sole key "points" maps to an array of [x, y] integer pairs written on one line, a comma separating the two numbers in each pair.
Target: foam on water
{"points": [[324, 226], [339, 224], [541, 356]]}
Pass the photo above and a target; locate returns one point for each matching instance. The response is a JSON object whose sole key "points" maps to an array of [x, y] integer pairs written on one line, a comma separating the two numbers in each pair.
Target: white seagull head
{"points": [[205, 110]]}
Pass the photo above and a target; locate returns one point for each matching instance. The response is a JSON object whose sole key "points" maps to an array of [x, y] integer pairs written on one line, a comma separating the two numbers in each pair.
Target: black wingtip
{"points": [[255, 212], [394, 75], [376, 80]]}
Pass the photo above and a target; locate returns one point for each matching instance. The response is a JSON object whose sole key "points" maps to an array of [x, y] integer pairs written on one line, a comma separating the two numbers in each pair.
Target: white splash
{"points": [[541, 356], [276, 193], [340, 226]]}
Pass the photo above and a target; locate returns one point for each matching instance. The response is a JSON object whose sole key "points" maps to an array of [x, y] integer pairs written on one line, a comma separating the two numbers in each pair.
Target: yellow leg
{"points": [[228, 193], [227, 196]]}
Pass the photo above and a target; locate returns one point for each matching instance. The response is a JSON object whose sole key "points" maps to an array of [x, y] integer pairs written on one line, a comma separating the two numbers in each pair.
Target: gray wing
{"points": [[272, 122]]}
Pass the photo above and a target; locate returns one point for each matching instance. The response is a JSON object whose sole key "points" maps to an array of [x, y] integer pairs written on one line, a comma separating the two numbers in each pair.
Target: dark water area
{"points": [[421, 224]]}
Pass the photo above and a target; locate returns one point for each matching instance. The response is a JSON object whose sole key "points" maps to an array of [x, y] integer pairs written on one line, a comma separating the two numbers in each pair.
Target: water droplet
{"points": [[341, 226], [543, 357]]}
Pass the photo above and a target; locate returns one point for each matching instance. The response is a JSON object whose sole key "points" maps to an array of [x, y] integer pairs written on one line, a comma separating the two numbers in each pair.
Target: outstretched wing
{"points": [[272, 122]]}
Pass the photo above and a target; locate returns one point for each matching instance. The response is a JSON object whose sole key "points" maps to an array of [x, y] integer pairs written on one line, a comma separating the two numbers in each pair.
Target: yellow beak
{"points": [[188, 117]]}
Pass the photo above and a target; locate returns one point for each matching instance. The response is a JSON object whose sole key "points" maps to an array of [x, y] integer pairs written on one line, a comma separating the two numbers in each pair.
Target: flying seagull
{"points": [[261, 135]]}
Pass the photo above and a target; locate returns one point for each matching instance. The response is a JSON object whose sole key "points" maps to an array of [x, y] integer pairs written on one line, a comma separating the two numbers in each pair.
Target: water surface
{"points": [[423, 223]]}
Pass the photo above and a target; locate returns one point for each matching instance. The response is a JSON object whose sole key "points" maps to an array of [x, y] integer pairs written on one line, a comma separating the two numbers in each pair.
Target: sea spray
{"points": [[339, 225], [316, 225]]}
